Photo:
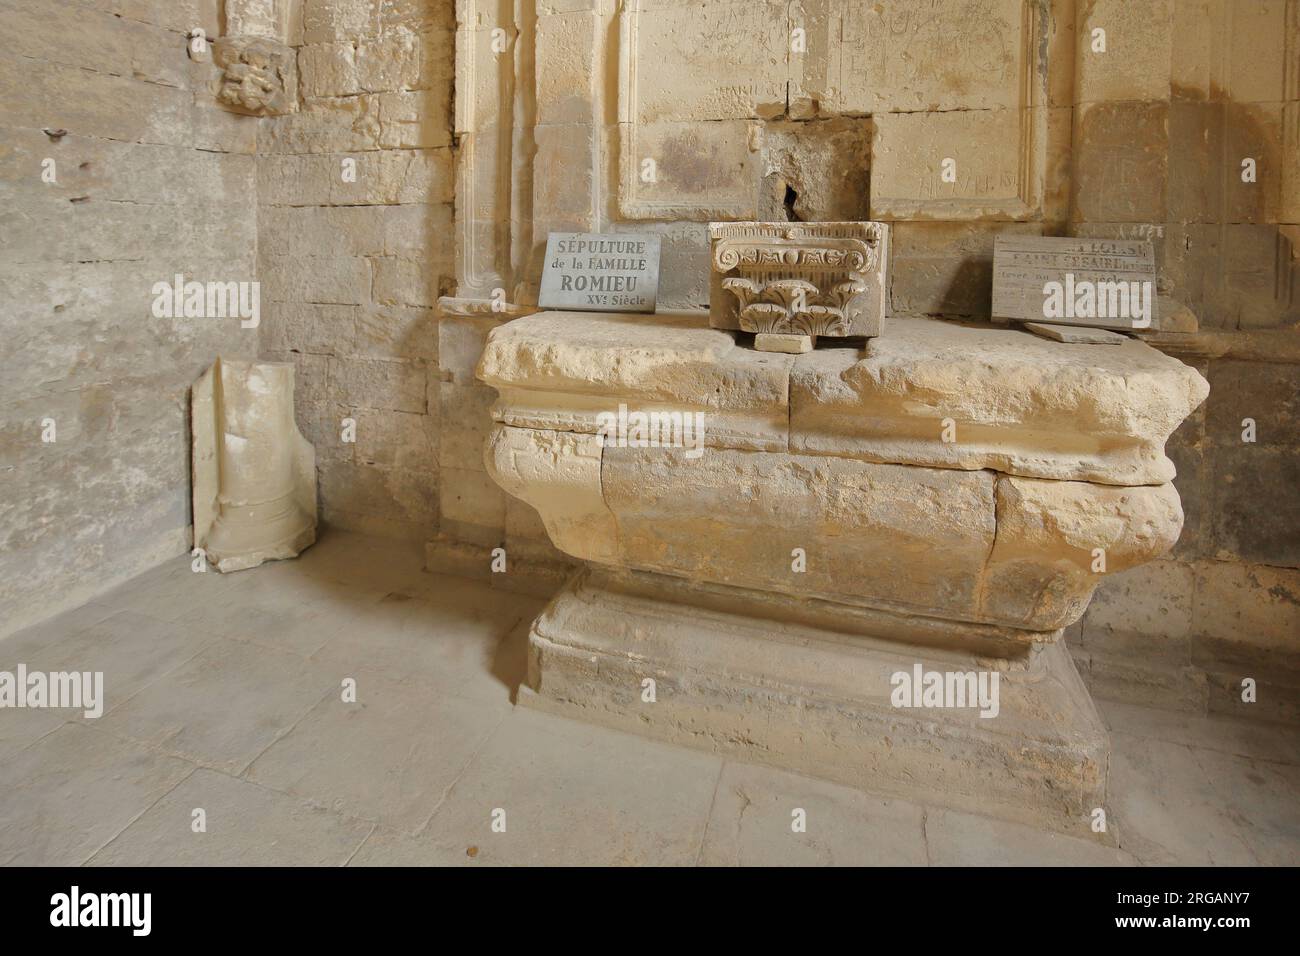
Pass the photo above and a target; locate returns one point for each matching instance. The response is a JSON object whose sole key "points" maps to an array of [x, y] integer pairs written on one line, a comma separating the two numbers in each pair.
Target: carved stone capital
{"points": [[259, 76], [814, 279]]}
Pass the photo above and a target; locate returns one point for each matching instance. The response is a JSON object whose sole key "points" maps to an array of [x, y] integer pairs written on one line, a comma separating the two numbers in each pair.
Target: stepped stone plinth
{"points": [[943, 502]]}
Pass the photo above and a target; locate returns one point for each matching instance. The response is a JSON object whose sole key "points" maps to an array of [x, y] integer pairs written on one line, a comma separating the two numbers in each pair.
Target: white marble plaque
{"points": [[600, 273], [1102, 283]]}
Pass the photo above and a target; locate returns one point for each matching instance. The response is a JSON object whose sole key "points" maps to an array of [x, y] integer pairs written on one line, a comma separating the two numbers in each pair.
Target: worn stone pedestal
{"points": [[942, 503], [808, 688]]}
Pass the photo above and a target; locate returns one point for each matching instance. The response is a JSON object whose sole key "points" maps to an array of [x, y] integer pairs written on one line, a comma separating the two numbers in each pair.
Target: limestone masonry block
{"points": [[1148, 606], [1017, 403], [566, 89], [694, 171], [329, 69], [968, 164], [820, 171], [882, 535], [465, 413], [379, 383], [1135, 63], [672, 53], [254, 474], [783, 342], [259, 18], [1057, 539], [741, 674], [1121, 162], [896, 56], [561, 369], [559, 474], [1255, 607], [325, 20]]}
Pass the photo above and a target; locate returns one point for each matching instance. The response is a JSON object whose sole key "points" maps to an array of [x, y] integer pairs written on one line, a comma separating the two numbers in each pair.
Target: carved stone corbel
{"points": [[259, 70]]}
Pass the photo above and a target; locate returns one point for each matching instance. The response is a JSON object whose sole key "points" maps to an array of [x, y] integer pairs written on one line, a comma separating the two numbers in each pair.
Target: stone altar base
{"points": [[806, 686], [945, 500]]}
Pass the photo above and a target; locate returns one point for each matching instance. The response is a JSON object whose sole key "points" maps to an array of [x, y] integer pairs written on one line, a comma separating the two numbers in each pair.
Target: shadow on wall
{"points": [[1182, 166]]}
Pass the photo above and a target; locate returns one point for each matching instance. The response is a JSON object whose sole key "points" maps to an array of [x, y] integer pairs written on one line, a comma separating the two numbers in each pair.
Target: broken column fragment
{"points": [[254, 474]]}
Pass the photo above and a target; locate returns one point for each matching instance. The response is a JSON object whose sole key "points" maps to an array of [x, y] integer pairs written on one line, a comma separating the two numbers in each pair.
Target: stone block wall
{"points": [[1186, 92], [117, 171], [354, 194], [430, 147]]}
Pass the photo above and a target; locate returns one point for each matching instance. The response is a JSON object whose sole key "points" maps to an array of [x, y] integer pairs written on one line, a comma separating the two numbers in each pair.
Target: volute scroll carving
{"points": [[814, 279]]}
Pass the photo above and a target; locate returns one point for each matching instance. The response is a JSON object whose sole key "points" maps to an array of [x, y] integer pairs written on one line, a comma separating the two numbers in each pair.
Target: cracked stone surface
{"points": [[370, 786]]}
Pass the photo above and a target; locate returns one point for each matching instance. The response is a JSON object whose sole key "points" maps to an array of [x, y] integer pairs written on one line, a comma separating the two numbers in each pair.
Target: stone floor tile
{"points": [[132, 650], [375, 564], [246, 825], [1165, 810], [752, 823], [1263, 798], [965, 839], [225, 706], [451, 642], [68, 794], [296, 613], [388, 847], [39, 638], [389, 757], [168, 591], [572, 794], [22, 727]]}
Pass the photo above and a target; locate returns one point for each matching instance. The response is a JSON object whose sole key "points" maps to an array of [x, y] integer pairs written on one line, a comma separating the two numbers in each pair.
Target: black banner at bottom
{"points": [[337, 906]]}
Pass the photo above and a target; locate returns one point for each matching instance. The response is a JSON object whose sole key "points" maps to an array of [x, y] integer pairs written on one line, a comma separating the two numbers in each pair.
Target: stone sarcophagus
{"points": [[799, 279], [944, 504]]}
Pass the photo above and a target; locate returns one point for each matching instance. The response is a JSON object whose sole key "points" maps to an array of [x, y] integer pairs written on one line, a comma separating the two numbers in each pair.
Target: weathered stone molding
{"points": [[464, 308], [1019, 404], [807, 688]]}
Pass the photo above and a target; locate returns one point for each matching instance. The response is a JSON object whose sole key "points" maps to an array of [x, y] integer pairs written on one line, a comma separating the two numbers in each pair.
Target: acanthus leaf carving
{"points": [[814, 279]]}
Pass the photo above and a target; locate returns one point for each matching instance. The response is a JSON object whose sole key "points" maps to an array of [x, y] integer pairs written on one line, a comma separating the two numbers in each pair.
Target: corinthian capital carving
{"points": [[813, 279]]}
